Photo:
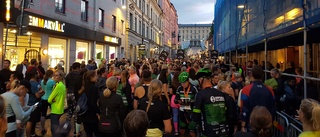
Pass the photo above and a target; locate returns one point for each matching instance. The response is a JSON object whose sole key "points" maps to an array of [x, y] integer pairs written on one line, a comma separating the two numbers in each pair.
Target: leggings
{"points": [[175, 113]]}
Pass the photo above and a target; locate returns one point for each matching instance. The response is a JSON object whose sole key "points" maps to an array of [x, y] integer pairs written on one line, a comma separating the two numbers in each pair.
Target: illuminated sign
{"points": [[46, 24], [111, 39], [8, 7]]}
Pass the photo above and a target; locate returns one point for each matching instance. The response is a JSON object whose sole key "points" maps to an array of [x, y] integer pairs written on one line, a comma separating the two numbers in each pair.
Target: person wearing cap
{"points": [[15, 113], [185, 96], [212, 108]]}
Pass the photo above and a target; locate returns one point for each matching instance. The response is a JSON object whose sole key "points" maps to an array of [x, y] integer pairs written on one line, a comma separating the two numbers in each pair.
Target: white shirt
{"points": [[24, 70]]}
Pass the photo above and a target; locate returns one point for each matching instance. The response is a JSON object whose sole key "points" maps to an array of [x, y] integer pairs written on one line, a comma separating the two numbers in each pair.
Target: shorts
{"points": [[185, 121], [35, 115]]}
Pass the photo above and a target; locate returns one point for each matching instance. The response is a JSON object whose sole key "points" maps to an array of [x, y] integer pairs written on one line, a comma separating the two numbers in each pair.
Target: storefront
{"points": [[21, 47], [51, 41]]}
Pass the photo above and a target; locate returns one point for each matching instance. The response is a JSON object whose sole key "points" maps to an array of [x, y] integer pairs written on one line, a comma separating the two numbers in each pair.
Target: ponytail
{"points": [[47, 75], [264, 133], [149, 104], [107, 92]]}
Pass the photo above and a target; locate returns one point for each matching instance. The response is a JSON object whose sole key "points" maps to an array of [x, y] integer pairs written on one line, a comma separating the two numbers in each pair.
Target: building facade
{"points": [[269, 30], [193, 37], [170, 31], [144, 29], [63, 30]]}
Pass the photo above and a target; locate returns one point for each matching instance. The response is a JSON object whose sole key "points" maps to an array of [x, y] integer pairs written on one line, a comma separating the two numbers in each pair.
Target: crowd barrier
{"points": [[286, 126]]}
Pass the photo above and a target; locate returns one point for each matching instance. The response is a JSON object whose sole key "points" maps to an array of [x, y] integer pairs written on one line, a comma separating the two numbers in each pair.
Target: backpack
{"points": [[82, 106]]}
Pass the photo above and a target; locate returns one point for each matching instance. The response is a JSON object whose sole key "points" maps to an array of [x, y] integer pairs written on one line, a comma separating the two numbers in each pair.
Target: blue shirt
{"points": [[47, 88], [34, 89]]}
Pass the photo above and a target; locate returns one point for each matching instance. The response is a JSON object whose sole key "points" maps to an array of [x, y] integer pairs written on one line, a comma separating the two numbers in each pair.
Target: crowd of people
{"points": [[153, 98]]}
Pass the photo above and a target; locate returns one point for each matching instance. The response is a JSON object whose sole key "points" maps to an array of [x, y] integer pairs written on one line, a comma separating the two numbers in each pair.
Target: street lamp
{"points": [[240, 6]]}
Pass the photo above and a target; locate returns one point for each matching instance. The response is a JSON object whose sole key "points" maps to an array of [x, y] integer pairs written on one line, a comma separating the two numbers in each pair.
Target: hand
{"points": [[98, 117]]}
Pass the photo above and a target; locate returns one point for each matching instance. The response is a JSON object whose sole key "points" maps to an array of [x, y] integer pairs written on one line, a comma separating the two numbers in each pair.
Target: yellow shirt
{"points": [[310, 134]]}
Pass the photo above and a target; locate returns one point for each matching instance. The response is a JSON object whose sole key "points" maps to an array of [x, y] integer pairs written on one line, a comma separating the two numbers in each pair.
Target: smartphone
{"points": [[36, 104]]}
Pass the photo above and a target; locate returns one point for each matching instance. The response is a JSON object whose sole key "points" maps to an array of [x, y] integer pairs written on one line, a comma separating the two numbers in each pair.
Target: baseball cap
{"points": [[26, 84]]}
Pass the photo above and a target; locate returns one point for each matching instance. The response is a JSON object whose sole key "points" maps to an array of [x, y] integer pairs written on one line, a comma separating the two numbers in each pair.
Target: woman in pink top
{"points": [[134, 78]]}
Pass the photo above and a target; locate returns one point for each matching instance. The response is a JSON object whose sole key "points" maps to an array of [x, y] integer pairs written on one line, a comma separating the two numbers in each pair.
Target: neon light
{"points": [[111, 39]]}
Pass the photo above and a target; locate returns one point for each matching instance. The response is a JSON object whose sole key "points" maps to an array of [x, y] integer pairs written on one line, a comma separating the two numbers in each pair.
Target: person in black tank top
{"points": [[142, 91]]}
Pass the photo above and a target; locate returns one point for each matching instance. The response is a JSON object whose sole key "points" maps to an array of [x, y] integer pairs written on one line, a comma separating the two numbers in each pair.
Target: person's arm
{"points": [[53, 95], [165, 90], [177, 99], [244, 108], [17, 109], [196, 112], [136, 98]]}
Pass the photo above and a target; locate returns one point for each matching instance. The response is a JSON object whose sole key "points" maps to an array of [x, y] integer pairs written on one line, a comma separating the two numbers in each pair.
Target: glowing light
{"points": [[240, 6], [8, 7], [294, 13]]}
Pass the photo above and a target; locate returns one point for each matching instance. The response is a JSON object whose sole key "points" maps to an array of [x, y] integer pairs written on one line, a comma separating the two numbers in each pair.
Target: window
{"points": [[131, 21], [140, 4], [148, 10], [84, 10], [101, 17], [60, 6], [122, 27], [143, 29], [151, 15], [143, 6], [147, 35], [140, 28], [151, 34], [114, 23], [135, 24]]}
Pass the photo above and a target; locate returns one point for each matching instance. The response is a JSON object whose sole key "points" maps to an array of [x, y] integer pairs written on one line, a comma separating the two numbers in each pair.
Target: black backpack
{"points": [[82, 105]]}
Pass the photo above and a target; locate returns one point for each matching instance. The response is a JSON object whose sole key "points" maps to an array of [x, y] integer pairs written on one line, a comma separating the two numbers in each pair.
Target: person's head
{"points": [[291, 64], [154, 91], [184, 79], [132, 70], [33, 62], [309, 113], [146, 75], [136, 124], [124, 74], [225, 86], [261, 124], [3, 117], [116, 72], [257, 72], [278, 66], [112, 84], [183, 69], [58, 76], [40, 63], [25, 62], [275, 73], [298, 71], [192, 73], [103, 60], [76, 66], [102, 72], [21, 87], [215, 79], [204, 78], [90, 76], [6, 64], [238, 77]]}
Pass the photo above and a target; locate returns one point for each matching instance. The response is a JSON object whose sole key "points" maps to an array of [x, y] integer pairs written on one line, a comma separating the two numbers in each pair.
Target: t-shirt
{"points": [[32, 94], [310, 134], [158, 112], [47, 88]]}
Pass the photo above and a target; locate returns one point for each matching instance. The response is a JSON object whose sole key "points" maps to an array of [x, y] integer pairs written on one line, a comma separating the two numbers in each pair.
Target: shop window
{"points": [[84, 10], [114, 23], [82, 51], [135, 24], [56, 51], [112, 52], [60, 6], [101, 17]]}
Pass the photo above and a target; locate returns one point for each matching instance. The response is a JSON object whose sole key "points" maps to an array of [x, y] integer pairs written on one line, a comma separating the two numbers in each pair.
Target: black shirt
{"points": [[4, 77], [158, 112]]}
